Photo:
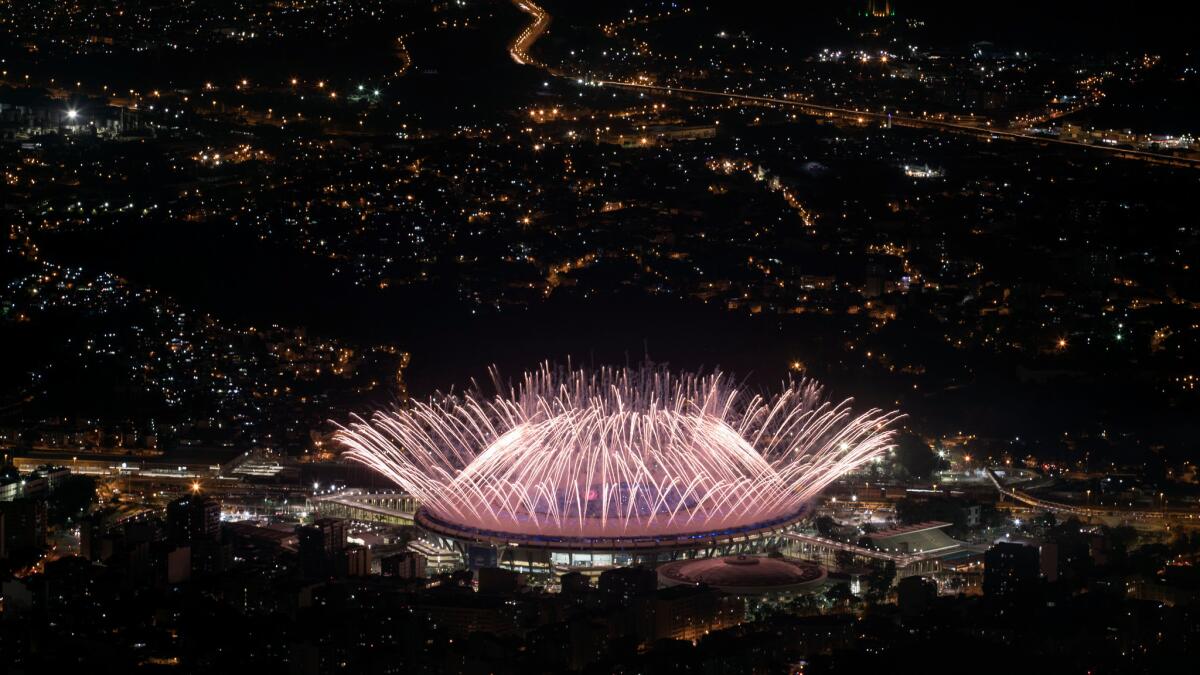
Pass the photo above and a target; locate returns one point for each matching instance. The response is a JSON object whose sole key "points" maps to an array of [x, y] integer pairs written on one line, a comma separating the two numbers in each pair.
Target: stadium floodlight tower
{"points": [[614, 466]]}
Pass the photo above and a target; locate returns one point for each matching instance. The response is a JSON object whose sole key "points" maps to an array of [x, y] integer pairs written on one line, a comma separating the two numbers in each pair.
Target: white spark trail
{"points": [[617, 452]]}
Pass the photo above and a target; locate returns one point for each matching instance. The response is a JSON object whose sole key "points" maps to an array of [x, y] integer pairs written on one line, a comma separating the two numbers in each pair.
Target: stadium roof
{"points": [[927, 537]]}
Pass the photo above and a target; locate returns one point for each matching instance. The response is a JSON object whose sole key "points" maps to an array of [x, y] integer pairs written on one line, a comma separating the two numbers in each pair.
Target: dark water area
{"points": [[237, 278]]}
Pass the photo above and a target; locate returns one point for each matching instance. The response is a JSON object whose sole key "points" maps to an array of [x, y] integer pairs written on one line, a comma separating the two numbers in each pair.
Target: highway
{"points": [[403, 56], [519, 49], [393, 508], [860, 116], [1088, 511]]}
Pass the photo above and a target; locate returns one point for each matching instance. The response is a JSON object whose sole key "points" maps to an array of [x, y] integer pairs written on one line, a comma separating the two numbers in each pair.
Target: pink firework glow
{"points": [[618, 452]]}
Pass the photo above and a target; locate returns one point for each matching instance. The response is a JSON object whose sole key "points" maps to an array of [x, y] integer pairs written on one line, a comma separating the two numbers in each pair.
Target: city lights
{"points": [[244, 294]]}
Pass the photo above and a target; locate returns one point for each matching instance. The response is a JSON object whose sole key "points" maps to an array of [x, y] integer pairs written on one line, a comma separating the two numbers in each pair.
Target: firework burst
{"points": [[618, 452]]}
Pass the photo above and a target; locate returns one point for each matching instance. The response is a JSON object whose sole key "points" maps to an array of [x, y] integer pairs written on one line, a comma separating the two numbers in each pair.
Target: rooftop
{"points": [[927, 537], [744, 575]]}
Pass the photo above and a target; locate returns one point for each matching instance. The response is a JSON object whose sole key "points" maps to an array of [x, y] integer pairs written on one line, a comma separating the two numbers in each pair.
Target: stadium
{"points": [[580, 468]]}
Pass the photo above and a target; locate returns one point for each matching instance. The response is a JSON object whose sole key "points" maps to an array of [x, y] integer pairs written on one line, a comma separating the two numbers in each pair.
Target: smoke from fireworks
{"points": [[618, 452]]}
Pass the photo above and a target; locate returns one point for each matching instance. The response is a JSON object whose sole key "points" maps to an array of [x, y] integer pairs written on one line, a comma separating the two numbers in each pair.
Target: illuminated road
{"points": [[1088, 511], [393, 508], [519, 49], [402, 55], [984, 132]]}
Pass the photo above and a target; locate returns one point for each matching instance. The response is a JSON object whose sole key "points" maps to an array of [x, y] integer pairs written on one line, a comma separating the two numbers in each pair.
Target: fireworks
{"points": [[618, 452]]}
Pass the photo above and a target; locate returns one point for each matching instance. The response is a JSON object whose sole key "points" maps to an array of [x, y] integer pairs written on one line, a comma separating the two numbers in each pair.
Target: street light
{"points": [[72, 114]]}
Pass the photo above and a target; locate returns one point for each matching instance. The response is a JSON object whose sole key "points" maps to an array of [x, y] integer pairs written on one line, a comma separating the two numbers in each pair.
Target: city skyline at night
{"points": [[483, 336]]}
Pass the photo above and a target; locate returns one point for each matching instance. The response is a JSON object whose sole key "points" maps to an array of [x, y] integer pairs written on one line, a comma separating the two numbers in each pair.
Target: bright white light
{"points": [[72, 114]]}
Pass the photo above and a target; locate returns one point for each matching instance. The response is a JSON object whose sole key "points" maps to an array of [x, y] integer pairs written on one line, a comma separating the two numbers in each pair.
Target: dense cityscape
{"points": [[503, 336]]}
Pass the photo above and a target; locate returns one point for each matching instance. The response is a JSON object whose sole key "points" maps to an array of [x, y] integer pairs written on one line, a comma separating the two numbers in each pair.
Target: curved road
{"points": [[1135, 513], [519, 49]]}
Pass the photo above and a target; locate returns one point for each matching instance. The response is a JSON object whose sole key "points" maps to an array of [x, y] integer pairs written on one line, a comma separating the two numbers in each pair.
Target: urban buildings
{"points": [[230, 226], [322, 547]]}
